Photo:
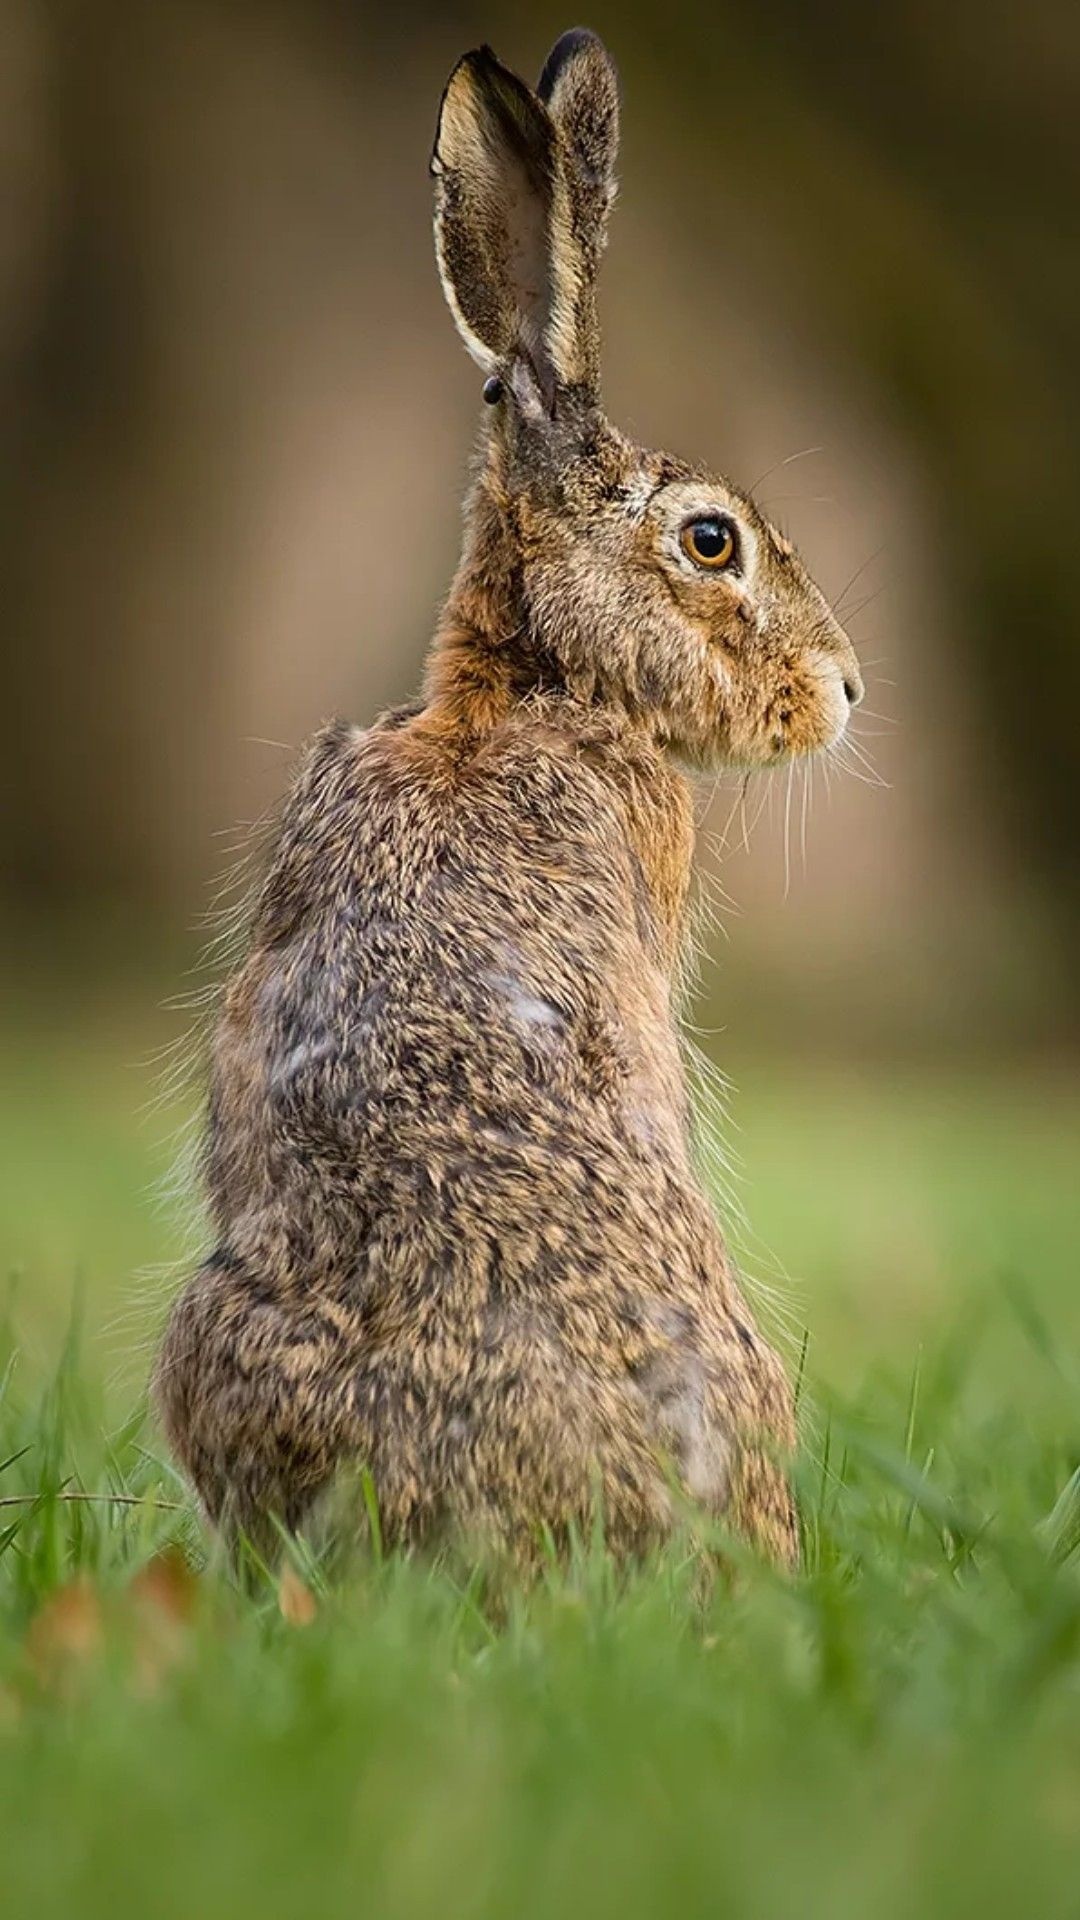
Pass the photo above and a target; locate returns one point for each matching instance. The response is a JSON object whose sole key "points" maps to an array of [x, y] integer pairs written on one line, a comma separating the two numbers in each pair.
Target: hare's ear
{"points": [[498, 180], [580, 88]]}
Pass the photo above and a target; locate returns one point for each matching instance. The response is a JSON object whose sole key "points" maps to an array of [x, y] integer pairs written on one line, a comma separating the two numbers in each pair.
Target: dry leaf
{"points": [[164, 1595], [297, 1602], [66, 1634], [167, 1585]]}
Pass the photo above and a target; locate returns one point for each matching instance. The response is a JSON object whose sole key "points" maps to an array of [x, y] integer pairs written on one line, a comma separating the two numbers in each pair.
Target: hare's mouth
{"points": [[834, 687], [807, 713]]}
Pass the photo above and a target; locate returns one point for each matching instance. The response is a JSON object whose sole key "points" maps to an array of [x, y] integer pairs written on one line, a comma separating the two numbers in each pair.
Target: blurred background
{"points": [[237, 422]]}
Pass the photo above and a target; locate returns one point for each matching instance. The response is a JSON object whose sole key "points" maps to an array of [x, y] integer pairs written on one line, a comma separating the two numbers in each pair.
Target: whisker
{"points": [[810, 499], [852, 613], [857, 575], [787, 828], [870, 776], [768, 792], [742, 812], [860, 754], [788, 461], [721, 840], [702, 814]]}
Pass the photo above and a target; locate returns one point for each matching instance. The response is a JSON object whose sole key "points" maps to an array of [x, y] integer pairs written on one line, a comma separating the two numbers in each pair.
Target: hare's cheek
{"points": [[803, 708], [783, 714], [767, 712], [719, 699]]}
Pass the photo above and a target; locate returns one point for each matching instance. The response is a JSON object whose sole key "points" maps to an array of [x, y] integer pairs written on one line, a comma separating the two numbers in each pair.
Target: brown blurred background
{"points": [[237, 420]]}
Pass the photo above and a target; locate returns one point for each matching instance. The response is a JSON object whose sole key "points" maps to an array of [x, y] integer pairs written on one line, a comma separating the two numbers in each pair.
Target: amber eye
{"points": [[710, 541]]}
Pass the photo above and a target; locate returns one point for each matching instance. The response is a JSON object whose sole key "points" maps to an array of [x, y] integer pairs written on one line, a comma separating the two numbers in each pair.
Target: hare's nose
{"points": [[853, 686]]}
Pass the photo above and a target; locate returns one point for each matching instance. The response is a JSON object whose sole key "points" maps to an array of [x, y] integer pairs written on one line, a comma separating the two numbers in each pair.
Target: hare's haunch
{"points": [[460, 1241]]}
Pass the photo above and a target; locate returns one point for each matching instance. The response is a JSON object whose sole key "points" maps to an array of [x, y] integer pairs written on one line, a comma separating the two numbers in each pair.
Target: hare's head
{"points": [[628, 575]]}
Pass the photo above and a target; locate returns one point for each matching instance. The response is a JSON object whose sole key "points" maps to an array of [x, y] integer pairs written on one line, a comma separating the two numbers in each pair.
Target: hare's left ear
{"points": [[516, 228]]}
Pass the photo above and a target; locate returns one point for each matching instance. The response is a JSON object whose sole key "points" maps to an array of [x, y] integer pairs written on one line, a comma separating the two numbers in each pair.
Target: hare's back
{"points": [[468, 1137], [450, 961]]}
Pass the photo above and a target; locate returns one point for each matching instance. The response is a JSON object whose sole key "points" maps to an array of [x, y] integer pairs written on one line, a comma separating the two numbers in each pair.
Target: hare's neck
{"points": [[484, 659], [485, 662]]}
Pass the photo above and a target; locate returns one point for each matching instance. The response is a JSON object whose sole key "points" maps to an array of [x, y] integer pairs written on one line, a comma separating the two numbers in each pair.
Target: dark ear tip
{"points": [[472, 62], [489, 81], [484, 57], [480, 61], [476, 57], [568, 46]]}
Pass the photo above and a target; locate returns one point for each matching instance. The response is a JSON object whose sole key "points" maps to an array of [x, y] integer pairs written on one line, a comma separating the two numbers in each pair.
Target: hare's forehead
{"points": [[646, 485], [638, 491], [680, 493]]}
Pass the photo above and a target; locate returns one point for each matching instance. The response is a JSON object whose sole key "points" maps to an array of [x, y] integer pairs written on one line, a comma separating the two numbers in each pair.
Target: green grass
{"points": [[894, 1732]]}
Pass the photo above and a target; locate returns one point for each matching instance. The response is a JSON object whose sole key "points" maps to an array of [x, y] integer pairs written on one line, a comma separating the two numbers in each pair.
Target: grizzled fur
{"points": [[459, 1236]]}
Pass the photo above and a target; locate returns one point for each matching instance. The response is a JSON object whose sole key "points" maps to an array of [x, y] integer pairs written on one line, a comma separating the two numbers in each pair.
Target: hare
{"points": [[460, 1239]]}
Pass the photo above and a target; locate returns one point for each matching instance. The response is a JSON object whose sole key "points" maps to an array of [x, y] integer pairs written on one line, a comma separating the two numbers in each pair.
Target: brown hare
{"points": [[460, 1239]]}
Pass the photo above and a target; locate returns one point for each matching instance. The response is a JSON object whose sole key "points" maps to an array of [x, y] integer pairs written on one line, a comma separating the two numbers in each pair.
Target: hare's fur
{"points": [[460, 1238]]}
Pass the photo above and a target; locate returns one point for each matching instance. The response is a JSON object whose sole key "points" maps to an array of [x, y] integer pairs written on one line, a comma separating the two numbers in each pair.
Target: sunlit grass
{"points": [[894, 1731]]}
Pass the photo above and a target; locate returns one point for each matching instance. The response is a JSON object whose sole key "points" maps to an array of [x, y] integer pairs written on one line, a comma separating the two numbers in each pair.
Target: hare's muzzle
{"points": [[853, 685]]}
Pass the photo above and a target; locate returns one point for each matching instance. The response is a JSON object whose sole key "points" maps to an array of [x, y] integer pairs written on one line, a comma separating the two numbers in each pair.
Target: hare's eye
{"points": [[710, 540]]}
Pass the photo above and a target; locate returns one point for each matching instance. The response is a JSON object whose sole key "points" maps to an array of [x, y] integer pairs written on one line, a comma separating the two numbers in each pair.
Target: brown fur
{"points": [[460, 1238]]}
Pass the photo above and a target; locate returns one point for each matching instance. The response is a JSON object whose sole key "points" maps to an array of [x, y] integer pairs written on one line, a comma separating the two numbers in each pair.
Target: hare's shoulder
{"points": [[389, 792], [357, 816], [396, 820]]}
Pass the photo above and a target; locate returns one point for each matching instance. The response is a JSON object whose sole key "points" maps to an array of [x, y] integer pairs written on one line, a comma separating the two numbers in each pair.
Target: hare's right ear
{"points": [[580, 89], [513, 247]]}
